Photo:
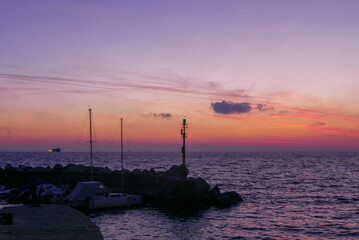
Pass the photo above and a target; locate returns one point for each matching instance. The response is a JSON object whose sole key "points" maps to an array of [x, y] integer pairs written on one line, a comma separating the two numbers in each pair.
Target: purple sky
{"points": [[133, 58]]}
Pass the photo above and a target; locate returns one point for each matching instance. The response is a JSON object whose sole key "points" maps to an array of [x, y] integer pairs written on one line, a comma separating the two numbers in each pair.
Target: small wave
{"points": [[320, 233], [237, 237], [348, 235], [346, 200], [253, 228]]}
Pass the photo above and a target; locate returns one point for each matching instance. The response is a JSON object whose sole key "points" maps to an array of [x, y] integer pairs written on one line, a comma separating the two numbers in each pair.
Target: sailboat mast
{"points": [[91, 145], [183, 133], [122, 185]]}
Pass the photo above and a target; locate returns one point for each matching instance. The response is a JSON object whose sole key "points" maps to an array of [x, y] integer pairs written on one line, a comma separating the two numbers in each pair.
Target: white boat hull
{"points": [[115, 201]]}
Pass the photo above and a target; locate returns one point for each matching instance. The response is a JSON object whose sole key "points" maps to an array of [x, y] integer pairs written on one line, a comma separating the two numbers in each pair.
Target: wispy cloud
{"points": [[287, 111], [108, 84], [55, 80], [16, 89], [158, 115], [341, 131], [136, 81], [10, 130], [317, 124], [169, 82]]}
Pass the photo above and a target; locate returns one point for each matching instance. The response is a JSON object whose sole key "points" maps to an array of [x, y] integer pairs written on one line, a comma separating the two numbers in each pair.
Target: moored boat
{"points": [[55, 150], [113, 200], [95, 195]]}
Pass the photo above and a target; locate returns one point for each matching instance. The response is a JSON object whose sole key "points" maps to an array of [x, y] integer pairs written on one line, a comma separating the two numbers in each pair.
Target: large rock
{"points": [[198, 189], [102, 170], [226, 199], [21, 168], [175, 171], [119, 172], [137, 172], [235, 197], [58, 167], [178, 193], [8, 167], [41, 169], [72, 168]]}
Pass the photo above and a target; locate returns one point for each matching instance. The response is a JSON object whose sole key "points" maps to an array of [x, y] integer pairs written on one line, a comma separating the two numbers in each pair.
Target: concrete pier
{"points": [[48, 221]]}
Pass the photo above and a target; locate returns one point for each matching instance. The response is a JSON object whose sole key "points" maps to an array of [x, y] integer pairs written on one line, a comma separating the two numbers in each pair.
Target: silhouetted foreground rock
{"points": [[171, 189], [226, 199]]}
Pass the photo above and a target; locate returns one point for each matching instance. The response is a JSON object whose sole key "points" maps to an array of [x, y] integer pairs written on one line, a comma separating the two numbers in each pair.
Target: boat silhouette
{"points": [[55, 150]]}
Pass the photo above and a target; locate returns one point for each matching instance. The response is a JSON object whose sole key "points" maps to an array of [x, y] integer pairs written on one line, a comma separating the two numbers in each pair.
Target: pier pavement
{"points": [[48, 221]]}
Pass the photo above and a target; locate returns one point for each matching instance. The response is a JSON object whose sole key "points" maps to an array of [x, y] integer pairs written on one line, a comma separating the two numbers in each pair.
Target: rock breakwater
{"points": [[171, 189]]}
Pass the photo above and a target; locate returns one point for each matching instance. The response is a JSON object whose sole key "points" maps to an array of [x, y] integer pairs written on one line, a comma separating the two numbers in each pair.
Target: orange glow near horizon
{"points": [[295, 129]]}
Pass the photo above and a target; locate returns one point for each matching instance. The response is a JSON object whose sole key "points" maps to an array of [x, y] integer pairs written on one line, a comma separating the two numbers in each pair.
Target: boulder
{"points": [[29, 169], [235, 197], [125, 172], [198, 186], [170, 193], [152, 171], [223, 200], [179, 194], [214, 192], [41, 169], [8, 167], [175, 171], [213, 195], [72, 168], [21, 168], [137, 172], [147, 174], [226, 199], [102, 170], [58, 167]]}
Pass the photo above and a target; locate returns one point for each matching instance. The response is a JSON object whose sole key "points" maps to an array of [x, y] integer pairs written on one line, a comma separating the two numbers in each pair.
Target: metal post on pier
{"points": [[122, 184], [91, 145], [184, 135]]}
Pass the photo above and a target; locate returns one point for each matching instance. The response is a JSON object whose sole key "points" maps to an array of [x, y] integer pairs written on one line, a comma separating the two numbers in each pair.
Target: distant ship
{"points": [[55, 150]]}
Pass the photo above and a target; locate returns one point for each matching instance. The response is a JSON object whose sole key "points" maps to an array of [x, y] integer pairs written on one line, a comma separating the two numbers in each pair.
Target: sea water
{"points": [[286, 195]]}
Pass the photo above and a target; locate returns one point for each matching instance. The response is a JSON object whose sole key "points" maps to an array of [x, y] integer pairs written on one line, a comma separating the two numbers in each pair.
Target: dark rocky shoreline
{"points": [[171, 189]]}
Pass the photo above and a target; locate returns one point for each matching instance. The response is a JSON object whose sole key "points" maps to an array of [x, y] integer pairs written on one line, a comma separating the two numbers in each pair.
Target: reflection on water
{"points": [[148, 223], [287, 195]]}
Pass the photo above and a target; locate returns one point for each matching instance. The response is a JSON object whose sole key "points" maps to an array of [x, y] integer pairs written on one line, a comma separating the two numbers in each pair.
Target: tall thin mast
{"points": [[122, 159], [183, 133], [91, 145]]}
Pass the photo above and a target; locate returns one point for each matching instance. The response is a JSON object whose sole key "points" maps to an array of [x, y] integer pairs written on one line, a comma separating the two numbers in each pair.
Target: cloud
{"points": [[263, 107], [317, 124], [283, 112], [227, 107], [158, 115], [145, 82], [164, 115], [340, 131]]}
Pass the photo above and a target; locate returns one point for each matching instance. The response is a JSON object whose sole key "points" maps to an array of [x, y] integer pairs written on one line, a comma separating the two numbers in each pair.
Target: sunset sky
{"points": [[248, 75]]}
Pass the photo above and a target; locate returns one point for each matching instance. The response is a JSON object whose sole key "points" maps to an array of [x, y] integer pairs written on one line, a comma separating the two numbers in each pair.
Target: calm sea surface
{"points": [[286, 195]]}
